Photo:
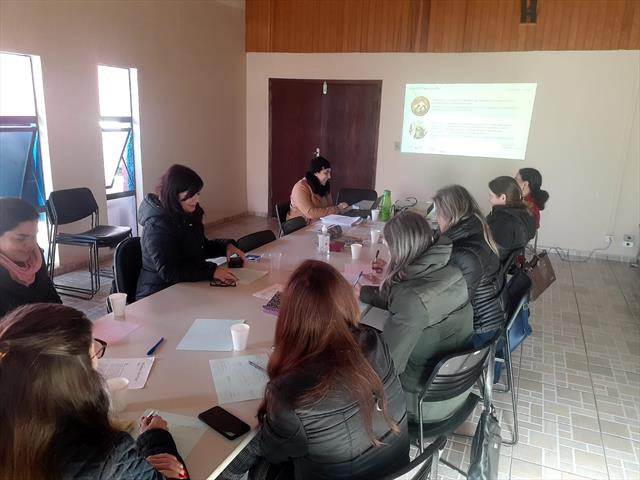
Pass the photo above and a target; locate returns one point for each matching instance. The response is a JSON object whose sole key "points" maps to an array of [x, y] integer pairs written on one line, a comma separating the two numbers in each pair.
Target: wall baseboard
{"points": [[259, 214], [226, 219], [597, 255]]}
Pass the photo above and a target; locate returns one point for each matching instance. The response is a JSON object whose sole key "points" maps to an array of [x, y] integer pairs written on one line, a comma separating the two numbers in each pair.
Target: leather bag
{"points": [[540, 271], [485, 448]]}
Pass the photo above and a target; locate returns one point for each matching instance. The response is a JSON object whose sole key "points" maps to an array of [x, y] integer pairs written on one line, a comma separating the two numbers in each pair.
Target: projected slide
{"points": [[477, 120]]}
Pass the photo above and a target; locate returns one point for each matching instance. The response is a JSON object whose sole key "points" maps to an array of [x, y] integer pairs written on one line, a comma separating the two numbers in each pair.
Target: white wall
{"points": [[191, 77], [583, 138]]}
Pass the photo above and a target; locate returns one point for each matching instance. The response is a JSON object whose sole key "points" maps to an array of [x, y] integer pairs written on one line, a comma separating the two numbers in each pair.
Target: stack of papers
{"points": [[341, 220], [111, 330], [247, 275], [136, 370], [211, 335], [236, 380]]}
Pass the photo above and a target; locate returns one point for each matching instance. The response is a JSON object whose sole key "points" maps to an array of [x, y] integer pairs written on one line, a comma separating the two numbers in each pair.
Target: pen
{"points": [[152, 413], [255, 365], [153, 349], [357, 279]]}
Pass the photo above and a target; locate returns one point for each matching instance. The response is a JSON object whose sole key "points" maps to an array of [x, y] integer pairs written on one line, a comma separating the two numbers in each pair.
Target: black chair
{"points": [[255, 240], [517, 299], [282, 209], [424, 466], [127, 262], [293, 225], [71, 205], [355, 195]]}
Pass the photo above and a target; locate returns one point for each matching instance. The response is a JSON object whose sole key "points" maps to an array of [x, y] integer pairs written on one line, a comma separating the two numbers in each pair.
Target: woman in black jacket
{"points": [[334, 407], [512, 224], [476, 254], [23, 271], [55, 408], [174, 247]]}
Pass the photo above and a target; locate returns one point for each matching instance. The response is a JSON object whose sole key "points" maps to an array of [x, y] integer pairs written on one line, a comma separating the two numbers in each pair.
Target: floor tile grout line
{"points": [[595, 401]]}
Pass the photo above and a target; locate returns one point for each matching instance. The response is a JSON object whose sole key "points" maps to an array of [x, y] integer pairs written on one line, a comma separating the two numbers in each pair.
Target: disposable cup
{"points": [[118, 302], [374, 214], [356, 249], [375, 236], [274, 261], [118, 393], [239, 336]]}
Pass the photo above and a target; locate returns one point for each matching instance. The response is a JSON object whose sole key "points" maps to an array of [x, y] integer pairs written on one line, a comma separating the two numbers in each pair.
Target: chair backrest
{"points": [[424, 466], [354, 195], [282, 209], [255, 240], [455, 374], [127, 262], [292, 225], [71, 205], [518, 289]]}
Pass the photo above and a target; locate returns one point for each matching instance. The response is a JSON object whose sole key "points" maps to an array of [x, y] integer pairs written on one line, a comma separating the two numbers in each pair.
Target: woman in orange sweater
{"points": [[311, 196]]}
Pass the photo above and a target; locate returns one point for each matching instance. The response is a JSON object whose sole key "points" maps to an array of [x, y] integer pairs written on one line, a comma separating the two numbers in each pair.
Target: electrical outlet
{"points": [[627, 244], [628, 238]]}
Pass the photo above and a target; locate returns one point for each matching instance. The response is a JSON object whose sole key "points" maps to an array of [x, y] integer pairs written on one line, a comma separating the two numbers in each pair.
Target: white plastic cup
{"points": [[118, 393], [375, 213], [356, 250], [274, 261], [239, 336], [375, 236], [118, 302]]}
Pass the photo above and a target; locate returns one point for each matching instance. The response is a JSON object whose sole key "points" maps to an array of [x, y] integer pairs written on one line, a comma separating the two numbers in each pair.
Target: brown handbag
{"points": [[540, 271]]}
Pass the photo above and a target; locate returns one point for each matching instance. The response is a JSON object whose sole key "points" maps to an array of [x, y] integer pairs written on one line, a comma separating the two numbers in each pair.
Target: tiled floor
{"points": [[579, 387]]}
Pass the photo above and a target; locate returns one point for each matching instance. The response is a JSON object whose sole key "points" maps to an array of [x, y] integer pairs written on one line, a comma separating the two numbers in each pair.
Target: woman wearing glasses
{"points": [[55, 409], [174, 247]]}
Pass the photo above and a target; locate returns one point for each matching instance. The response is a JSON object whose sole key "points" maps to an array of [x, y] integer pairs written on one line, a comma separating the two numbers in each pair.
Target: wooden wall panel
{"points": [[439, 25]]}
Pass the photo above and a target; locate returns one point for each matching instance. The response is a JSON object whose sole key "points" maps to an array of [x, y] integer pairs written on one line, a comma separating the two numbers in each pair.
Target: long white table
{"points": [[180, 381]]}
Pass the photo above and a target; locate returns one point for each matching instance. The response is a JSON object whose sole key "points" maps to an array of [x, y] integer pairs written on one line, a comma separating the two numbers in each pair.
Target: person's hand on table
{"points": [[167, 465], [378, 265], [342, 206], [224, 275], [232, 249], [154, 421]]}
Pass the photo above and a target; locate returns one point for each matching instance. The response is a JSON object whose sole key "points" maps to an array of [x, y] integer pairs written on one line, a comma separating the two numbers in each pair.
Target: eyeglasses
{"points": [[99, 347]]}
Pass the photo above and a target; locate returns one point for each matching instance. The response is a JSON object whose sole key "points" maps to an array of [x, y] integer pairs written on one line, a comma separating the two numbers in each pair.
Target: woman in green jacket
{"points": [[430, 315]]}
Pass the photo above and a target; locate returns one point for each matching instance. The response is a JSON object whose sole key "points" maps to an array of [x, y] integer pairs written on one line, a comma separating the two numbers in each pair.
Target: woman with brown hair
{"points": [[55, 408], [333, 407]]}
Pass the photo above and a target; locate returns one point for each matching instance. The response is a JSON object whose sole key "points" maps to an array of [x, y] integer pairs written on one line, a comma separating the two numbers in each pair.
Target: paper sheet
{"points": [[211, 335], [111, 330], [136, 370], [355, 268], [341, 220], [186, 431], [217, 260], [247, 275], [269, 292], [351, 278], [236, 380]]}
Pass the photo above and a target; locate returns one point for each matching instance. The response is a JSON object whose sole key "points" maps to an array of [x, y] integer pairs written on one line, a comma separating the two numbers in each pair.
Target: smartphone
{"points": [[254, 258], [224, 423]]}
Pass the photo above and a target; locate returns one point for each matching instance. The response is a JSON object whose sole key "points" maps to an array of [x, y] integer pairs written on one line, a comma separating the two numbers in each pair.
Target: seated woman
{"points": [[311, 196], [430, 315], [512, 224], [530, 181], [333, 407], [174, 247], [476, 254], [55, 407], [23, 271]]}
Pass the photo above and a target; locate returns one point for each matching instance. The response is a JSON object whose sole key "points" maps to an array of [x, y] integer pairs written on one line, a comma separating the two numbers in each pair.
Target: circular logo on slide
{"points": [[420, 106], [417, 130]]}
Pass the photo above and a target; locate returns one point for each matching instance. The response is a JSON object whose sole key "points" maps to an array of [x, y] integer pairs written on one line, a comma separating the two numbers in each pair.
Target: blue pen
{"points": [[357, 279], [153, 349]]}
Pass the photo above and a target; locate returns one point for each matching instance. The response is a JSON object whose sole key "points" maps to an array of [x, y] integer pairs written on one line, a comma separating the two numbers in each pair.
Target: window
{"points": [[117, 125]]}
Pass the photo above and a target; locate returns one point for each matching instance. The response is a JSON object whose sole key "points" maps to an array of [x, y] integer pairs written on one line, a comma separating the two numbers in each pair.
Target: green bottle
{"points": [[385, 206]]}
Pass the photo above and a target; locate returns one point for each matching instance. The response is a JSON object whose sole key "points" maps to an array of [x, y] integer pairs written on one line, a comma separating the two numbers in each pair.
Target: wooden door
{"points": [[341, 120]]}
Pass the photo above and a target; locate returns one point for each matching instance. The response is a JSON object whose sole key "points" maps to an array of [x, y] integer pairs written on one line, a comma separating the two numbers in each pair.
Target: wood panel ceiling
{"points": [[439, 25]]}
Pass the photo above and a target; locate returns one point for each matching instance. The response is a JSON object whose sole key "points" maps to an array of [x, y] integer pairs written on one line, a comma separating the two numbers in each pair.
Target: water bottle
{"points": [[385, 206], [323, 242]]}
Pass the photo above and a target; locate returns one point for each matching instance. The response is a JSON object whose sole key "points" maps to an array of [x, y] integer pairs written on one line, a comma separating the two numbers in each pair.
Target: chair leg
{"points": [[514, 394], [453, 467], [434, 465], [421, 434]]}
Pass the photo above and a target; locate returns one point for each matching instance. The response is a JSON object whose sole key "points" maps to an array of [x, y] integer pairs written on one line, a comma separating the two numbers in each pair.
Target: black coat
{"points": [[481, 270], [511, 227], [14, 294], [328, 440], [173, 250], [124, 460]]}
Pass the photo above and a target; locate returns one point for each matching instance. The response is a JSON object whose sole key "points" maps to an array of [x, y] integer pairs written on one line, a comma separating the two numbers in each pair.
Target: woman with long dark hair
{"points": [[512, 224], [333, 407], [174, 247], [23, 271], [55, 408], [311, 196], [475, 253], [430, 315], [530, 181]]}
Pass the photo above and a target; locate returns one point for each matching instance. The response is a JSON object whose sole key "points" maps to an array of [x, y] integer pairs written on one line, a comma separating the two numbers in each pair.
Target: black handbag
{"points": [[485, 448]]}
